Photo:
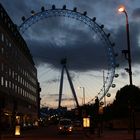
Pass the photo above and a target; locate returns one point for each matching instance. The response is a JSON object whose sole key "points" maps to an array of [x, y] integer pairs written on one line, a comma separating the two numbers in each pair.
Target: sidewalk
{"points": [[115, 135]]}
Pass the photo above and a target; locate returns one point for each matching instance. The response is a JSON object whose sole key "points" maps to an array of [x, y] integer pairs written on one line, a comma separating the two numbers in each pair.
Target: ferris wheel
{"points": [[98, 36]]}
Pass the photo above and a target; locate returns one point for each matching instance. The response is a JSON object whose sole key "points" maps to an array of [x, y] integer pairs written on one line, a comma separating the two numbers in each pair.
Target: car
{"points": [[77, 123], [65, 126]]}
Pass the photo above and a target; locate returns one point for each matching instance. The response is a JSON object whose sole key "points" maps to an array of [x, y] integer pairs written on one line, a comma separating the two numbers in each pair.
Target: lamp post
{"points": [[83, 88], [129, 70], [128, 51]]}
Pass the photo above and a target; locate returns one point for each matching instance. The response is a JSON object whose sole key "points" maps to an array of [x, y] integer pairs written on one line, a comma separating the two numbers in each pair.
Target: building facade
{"points": [[19, 87]]}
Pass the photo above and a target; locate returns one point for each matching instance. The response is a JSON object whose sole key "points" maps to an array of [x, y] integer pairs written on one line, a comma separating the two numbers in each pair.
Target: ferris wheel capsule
{"points": [[101, 103], [108, 35], [53, 7], [85, 13], [113, 85], [108, 95], [116, 75], [94, 18], [102, 26], [75, 9], [23, 18], [64, 7], [42, 9]]}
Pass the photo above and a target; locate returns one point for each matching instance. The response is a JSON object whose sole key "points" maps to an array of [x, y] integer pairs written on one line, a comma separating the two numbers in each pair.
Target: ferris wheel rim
{"points": [[34, 18]]}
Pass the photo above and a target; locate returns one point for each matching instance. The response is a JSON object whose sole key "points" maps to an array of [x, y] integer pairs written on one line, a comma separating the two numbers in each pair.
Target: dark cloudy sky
{"points": [[52, 39]]}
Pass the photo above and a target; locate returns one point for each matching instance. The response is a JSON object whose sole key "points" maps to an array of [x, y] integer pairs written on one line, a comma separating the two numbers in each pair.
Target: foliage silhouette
{"points": [[126, 98]]}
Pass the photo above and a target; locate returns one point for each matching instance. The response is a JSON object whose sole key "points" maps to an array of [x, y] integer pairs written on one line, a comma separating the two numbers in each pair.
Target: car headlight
{"points": [[70, 128], [60, 127]]}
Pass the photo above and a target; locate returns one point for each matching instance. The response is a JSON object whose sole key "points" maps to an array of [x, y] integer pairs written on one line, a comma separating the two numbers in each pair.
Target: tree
{"points": [[127, 97]]}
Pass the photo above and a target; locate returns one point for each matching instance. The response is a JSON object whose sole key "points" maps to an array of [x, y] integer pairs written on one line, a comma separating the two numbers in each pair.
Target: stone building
{"points": [[19, 87]]}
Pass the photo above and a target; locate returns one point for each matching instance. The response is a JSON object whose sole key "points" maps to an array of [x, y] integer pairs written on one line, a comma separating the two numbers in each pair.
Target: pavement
{"points": [[115, 135]]}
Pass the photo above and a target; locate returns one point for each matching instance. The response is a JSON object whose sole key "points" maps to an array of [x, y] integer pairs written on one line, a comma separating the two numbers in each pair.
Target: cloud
{"points": [[53, 95], [66, 99], [81, 49], [136, 13], [121, 43], [123, 74], [17, 9], [52, 81], [51, 40], [136, 73]]}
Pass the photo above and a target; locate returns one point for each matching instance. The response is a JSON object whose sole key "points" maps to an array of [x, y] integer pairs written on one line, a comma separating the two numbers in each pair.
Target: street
{"points": [[51, 133]]}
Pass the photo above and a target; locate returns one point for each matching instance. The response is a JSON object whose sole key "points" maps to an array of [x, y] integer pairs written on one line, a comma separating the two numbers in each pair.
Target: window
{"points": [[7, 42], [2, 67], [2, 50], [13, 74], [10, 84], [2, 81], [2, 37], [16, 88], [2, 14], [13, 86], [6, 83], [9, 71], [10, 45]]}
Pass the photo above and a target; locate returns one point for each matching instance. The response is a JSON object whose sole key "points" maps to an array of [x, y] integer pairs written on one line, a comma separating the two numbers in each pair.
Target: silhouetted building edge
{"points": [[19, 87]]}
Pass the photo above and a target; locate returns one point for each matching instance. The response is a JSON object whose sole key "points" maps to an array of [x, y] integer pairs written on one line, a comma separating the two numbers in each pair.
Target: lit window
{"points": [[13, 73], [13, 86], [9, 84], [1, 14], [10, 45], [9, 72], [2, 81], [2, 38], [6, 83]]}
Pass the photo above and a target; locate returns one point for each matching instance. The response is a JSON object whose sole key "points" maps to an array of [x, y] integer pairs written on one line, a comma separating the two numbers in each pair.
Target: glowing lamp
{"points": [[86, 122], [121, 9], [17, 130]]}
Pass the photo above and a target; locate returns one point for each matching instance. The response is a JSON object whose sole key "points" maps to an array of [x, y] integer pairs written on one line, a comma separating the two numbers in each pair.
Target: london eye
{"points": [[95, 63]]}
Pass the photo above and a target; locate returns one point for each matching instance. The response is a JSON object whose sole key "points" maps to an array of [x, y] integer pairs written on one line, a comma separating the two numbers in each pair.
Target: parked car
{"points": [[65, 126], [77, 123]]}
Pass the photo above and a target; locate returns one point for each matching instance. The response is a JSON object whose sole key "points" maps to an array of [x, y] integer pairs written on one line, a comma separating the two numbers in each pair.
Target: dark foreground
{"points": [[50, 133]]}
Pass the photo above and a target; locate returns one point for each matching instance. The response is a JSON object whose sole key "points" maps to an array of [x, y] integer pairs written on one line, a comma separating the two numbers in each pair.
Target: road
{"points": [[46, 133], [50, 133]]}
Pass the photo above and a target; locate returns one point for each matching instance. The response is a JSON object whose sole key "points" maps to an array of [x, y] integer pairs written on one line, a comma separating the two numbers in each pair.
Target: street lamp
{"points": [[83, 88], [129, 70], [127, 52]]}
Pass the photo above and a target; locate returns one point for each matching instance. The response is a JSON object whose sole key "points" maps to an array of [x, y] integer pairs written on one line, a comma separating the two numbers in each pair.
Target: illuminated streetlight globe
{"points": [[121, 9]]}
